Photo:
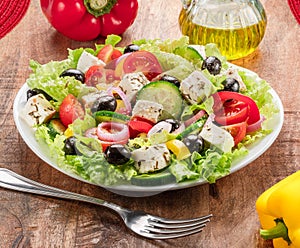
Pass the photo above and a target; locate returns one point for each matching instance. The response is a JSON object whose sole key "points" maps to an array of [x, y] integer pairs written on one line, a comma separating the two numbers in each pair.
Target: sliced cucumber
{"points": [[195, 127], [165, 93], [55, 127], [105, 115], [189, 53], [155, 179]]}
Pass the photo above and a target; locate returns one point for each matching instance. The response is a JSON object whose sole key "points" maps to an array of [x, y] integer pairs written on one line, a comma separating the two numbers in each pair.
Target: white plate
{"points": [[41, 150]]}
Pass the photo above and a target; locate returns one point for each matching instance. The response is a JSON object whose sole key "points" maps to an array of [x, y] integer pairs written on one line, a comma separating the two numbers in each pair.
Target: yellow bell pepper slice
{"points": [[178, 148], [69, 132], [278, 209]]}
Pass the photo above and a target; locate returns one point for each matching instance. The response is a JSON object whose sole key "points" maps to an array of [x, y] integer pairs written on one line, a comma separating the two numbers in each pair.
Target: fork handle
{"points": [[14, 181]]}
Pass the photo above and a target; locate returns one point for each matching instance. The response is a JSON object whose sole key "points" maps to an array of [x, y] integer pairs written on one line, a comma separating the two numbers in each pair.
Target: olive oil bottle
{"points": [[236, 26]]}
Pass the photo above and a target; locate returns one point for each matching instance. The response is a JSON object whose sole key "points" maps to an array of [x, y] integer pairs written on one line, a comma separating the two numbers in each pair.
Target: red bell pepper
{"points": [[85, 20]]}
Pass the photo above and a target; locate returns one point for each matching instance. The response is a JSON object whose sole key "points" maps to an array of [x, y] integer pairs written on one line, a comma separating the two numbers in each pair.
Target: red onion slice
{"points": [[195, 118], [159, 127], [255, 126], [124, 98], [112, 131], [91, 133]]}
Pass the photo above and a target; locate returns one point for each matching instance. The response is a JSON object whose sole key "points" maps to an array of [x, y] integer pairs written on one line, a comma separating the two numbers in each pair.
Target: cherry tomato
{"points": [[237, 131], [70, 109], [232, 107], [108, 53], [97, 74], [142, 61], [136, 127]]}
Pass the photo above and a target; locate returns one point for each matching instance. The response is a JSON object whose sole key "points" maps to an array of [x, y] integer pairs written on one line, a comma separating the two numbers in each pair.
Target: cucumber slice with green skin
{"points": [[197, 126], [189, 53], [155, 179], [55, 127], [105, 116], [165, 93]]}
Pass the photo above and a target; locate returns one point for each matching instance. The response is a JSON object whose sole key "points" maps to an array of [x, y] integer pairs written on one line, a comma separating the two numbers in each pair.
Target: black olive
{"points": [[171, 79], [231, 84], [131, 48], [77, 74], [35, 91], [175, 124], [117, 154], [105, 102], [194, 142], [69, 148], [212, 64]]}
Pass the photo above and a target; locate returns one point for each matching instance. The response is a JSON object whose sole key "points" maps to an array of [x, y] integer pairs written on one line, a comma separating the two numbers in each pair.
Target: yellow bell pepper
{"points": [[178, 148], [68, 132], [278, 209]]}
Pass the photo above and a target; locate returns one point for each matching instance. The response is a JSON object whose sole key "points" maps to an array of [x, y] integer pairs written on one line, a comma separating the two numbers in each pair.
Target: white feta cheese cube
{"points": [[148, 110], [37, 110], [196, 87], [218, 137], [89, 99], [131, 83], [148, 159], [86, 60]]}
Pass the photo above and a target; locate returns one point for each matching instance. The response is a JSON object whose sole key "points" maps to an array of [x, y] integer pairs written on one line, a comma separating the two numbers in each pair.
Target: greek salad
{"points": [[151, 113]]}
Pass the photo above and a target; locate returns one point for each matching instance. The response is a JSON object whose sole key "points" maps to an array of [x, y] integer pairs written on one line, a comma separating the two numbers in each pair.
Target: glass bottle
{"points": [[236, 26]]}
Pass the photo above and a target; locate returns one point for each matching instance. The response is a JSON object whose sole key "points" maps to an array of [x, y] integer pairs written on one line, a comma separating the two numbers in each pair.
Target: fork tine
{"points": [[174, 230], [171, 236], [171, 223]]}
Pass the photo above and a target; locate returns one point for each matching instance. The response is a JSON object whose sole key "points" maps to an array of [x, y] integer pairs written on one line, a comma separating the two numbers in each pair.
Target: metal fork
{"points": [[144, 224]]}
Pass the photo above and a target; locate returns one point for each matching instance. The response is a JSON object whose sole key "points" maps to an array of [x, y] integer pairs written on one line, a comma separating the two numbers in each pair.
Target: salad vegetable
{"points": [[154, 112], [85, 20]]}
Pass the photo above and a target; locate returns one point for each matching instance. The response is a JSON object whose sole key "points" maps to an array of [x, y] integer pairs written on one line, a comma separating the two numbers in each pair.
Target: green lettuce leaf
{"points": [[46, 77], [182, 172], [214, 165]]}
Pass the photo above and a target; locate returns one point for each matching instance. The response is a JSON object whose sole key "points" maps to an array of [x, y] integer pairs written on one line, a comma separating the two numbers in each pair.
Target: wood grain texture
{"points": [[35, 221]]}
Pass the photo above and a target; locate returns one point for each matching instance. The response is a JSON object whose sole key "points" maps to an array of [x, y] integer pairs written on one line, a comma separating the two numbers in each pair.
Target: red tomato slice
{"points": [[231, 108], [237, 131], [108, 53], [136, 127], [70, 109], [106, 144], [142, 61], [97, 74]]}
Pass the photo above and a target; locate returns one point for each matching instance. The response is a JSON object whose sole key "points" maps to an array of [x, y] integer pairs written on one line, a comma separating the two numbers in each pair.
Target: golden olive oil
{"points": [[233, 43]]}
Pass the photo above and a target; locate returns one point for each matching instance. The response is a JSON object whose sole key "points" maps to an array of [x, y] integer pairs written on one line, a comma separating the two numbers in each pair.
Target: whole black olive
{"points": [[105, 102], [77, 74], [175, 124], [171, 79], [212, 64], [194, 142], [117, 154], [231, 84], [131, 48], [35, 91], [69, 148]]}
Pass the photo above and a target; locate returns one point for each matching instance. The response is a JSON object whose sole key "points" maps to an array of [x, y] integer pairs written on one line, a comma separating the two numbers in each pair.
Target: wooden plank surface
{"points": [[36, 221]]}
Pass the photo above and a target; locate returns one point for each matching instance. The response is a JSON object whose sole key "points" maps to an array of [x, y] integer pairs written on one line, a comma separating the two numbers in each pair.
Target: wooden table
{"points": [[35, 221]]}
